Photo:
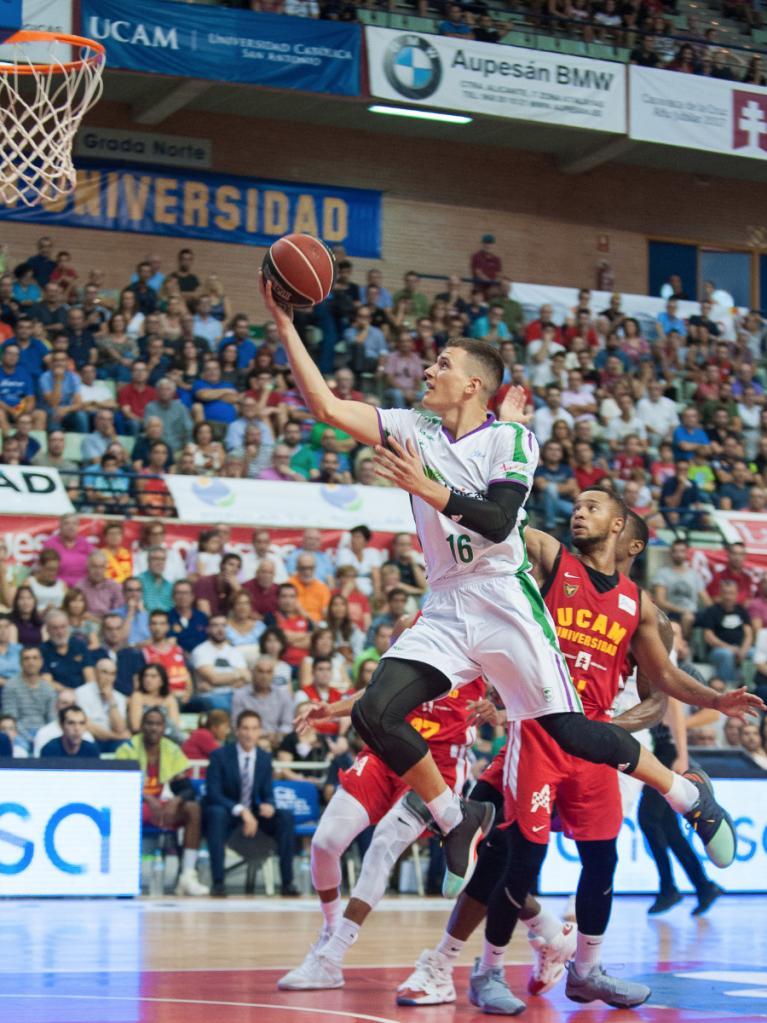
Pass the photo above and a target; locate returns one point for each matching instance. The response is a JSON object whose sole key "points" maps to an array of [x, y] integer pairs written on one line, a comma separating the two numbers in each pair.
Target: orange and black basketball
{"points": [[302, 270]]}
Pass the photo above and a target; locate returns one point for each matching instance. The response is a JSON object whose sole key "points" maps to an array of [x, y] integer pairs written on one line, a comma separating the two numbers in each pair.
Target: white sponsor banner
{"points": [[143, 147], [698, 113], [42, 16], [644, 308], [746, 801], [70, 832], [32, 491], [504, 81], [265, 503]]}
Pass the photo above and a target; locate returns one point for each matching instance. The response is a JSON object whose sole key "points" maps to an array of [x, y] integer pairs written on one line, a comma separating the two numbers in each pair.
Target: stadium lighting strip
{"points": [[423, 115]]}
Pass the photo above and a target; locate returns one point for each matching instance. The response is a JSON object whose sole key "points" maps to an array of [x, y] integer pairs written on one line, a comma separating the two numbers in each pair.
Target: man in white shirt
{"points": [[625, 424], [658, 414], [104, 707], [64, 698], [263, 549], [95, 393], [545, 417], [219, 666], [579, 398], [48, 589], [205, 325], [539, 355]]}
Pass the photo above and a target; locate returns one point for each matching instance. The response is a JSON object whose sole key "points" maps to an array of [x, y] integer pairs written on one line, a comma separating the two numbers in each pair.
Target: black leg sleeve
{"points": [[524, 861], [491, 864], [594, 898], [597, 741], [397, 688]]}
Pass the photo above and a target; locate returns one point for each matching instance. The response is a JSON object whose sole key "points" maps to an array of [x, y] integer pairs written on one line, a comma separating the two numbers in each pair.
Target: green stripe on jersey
{"points": [[519, 449], [538, 608]]}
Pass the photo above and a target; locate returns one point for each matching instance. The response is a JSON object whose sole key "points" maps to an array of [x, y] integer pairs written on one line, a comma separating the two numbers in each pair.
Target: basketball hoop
{"points": [[41, 106]]}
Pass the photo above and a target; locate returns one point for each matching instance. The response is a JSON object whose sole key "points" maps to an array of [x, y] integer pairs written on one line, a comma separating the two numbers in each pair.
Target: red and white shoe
{"points": [[430, 983], [550, 958]]}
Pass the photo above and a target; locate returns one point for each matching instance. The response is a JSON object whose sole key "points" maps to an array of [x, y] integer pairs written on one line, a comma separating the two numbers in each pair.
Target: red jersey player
{"points": [[371, 793]]}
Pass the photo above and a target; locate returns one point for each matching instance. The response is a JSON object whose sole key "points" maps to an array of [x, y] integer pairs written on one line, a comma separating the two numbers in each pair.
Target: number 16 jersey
{"points": [[493, 453]]}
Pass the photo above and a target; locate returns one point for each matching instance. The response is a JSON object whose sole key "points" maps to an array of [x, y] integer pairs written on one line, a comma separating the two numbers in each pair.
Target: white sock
{"points": [[449, 947], [492, 957], [682, 795], [344, 936], [188, 860], [446, 810], [588, 952], [544, 925], [331, 912]]}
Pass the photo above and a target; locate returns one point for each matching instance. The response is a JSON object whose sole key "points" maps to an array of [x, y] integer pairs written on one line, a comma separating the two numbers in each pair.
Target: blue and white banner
{"points": [[65, 831], [216, 207], [746, 801], [226, 45]]}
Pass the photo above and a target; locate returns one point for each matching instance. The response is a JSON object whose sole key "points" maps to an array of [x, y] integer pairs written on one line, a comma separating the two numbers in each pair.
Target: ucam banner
{"points": [[216, 207], [264, 503], [191, 41], [32, 491], [697, 113], [504, 81]]}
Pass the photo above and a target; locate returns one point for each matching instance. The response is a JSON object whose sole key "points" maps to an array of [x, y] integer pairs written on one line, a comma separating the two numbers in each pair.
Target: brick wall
{"points": [[438, 199]]}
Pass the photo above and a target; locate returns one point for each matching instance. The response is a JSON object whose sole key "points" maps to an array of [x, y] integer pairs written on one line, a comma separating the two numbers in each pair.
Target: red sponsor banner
{"points": [[24, 536]]}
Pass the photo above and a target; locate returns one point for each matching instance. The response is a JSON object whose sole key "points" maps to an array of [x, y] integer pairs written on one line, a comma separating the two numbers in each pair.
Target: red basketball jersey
{"points": [[594, 630], [446, 720]]}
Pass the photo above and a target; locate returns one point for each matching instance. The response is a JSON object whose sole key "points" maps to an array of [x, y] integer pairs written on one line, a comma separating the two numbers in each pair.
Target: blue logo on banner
{"points": [[102, 818], [226, 45]]}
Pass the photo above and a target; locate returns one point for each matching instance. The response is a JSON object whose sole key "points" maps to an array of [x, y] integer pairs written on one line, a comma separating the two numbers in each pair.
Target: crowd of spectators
{"points": [[108, 647]]}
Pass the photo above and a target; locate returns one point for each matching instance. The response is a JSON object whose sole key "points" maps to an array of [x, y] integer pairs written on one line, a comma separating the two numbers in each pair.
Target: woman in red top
{"points": [[211, 733]]}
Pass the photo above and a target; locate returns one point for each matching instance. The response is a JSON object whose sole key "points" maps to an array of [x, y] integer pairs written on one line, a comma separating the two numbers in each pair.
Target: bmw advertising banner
{"points": [[704, 113], [503, 81]]}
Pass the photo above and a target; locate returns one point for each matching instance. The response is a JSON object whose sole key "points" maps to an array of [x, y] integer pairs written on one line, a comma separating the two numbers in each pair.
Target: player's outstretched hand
{"points": [[308, 714], [400, 466], [484, 712], [281, 316], [512, 409], [740, 704]]}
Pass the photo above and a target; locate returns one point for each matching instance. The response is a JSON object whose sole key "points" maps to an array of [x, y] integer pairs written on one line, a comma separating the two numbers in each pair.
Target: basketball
{"points": [[302, 270]]}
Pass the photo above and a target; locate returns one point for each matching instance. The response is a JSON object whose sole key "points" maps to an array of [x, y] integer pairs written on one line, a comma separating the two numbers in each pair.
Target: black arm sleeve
{"points": [[493, 518]]}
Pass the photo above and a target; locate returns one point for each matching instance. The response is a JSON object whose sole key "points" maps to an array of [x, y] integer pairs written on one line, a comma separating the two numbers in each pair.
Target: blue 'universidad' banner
{"points": [[216, 207], [226, 45]]}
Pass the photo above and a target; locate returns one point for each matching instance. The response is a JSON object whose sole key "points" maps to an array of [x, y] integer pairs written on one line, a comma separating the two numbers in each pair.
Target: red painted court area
{"points": [[237, 996]]}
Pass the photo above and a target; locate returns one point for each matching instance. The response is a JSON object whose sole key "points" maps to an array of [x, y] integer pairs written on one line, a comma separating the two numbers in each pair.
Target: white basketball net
{"points": [[42, 103]]}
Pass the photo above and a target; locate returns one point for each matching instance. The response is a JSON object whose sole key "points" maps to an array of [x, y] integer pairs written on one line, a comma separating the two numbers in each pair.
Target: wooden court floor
{"points": [[163, 961]]}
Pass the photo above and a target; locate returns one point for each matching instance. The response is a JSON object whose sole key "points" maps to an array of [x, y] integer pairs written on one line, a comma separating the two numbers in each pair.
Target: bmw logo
{"points": [[413, 67]]}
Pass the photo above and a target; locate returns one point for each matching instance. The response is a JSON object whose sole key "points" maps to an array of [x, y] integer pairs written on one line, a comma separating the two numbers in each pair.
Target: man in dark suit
{"points": [[239, 791], [6, 749]]}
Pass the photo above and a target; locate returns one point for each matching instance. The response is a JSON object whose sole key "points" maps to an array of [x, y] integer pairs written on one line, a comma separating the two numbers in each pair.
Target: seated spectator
{"points": [[9, 731], [554, 486], [72, 742], [402, 372], [220, 668], [733, 571], [172, 413], [187, 623], [25, 618], [322, 646], [455, 25], [688, 436], [395, 608], [678, 589], [756, 606], [491, 328], [53, 458], [133, 612], [27, 445], [151, 489], [239, 793], [212, 731], [163, 649], [273, 703], [83, 626], [381, 642], [727, 632], [107, 487], [153, 690], [66, 662], [357, 605], [206, 561], [119, 557], [45, 583], [153, 535], [681, 502], [626, 424], [244, 628], [550, 413], [751, 741], [214, 593], [366, 559], [17, 389], [311, 543], [143, 288], [734, 496], [273, 645], [313, 594], [113, 647], [26, 290], [412, 576], [348, 636], [157, 592], [296, 626], [280, 470], [217, 402], [96, 443], [29, 697], [162, 763], [10, 652], [151, 435], [587, 474], [102, 594], [72, 549], [134, 398]]}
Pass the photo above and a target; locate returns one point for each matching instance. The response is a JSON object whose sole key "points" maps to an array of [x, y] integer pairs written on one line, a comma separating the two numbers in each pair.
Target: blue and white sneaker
{"points": [[490, 992]]}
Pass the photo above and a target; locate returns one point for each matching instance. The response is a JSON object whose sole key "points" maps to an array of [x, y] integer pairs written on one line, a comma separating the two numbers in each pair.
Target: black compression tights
{"points": [[523, 861], [397, 688], [594, 898], [597, 741]]}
